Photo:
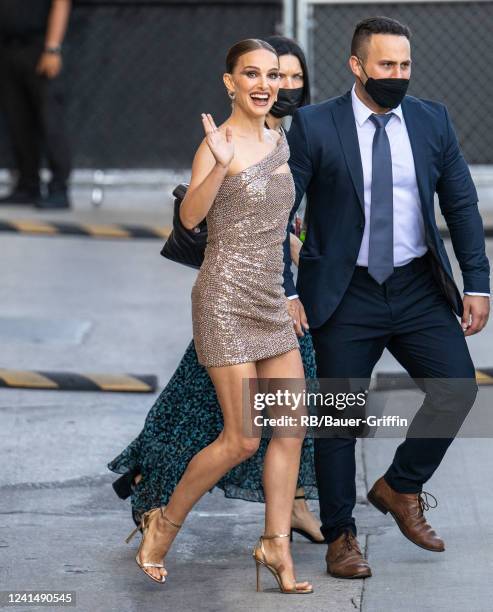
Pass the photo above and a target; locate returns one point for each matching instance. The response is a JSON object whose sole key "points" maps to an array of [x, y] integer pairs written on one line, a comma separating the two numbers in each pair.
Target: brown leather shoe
{"points": [[344, 558], [408, 512]]}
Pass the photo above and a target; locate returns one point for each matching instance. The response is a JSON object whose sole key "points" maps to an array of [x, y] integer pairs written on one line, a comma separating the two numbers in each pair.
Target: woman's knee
{"points": [[291, 444], [240, 448]]}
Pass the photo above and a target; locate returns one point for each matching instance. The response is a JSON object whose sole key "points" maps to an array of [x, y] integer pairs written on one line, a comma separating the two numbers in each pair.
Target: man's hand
{"points": [[297, 314], [476, 313], [49, 65], [295, 245]]}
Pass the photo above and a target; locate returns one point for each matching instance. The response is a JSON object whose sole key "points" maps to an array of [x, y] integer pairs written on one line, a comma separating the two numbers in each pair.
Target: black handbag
{"points": [[185, 246]]}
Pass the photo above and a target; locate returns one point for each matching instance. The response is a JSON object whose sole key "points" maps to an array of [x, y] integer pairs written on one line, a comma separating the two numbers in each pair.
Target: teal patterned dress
{"points": [[184, 419]]}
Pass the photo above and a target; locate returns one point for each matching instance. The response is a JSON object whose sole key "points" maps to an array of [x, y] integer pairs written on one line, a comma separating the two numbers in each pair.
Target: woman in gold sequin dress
{"points": [[242, 329]]}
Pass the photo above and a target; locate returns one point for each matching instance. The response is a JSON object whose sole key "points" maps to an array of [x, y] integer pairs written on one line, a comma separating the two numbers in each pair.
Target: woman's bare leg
{"points": [[208, 466], [303, 518], [281, 467]]}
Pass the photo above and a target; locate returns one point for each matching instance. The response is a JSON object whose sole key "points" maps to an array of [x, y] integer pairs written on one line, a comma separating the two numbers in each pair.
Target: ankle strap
{"points": [[167, 519], [276, 535], [300, 496]]}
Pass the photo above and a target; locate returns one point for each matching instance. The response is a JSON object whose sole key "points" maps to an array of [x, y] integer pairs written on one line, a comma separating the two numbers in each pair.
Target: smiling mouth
{"points": [[260, 99]]}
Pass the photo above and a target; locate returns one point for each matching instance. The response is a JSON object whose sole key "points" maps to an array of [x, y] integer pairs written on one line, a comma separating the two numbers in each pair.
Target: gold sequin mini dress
{"points": [[239, 309]]}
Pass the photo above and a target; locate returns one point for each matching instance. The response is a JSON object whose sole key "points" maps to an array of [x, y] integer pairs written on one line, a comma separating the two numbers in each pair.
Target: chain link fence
{"points": [[138, 74], [451, 52]]}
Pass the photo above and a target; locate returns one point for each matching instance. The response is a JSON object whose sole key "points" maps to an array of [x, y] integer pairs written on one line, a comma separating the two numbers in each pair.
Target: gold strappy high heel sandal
{"points": [[144, 526], [260, 559]]}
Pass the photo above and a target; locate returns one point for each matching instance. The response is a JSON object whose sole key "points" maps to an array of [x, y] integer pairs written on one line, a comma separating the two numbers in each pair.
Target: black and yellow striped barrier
{"points": [[398, 381], [125, 231], [70, 381], [88, 230]]}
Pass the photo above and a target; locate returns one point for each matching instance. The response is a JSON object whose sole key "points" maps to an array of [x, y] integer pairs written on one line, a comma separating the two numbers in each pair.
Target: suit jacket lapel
{"points": [[418, 139], [346, 128]]}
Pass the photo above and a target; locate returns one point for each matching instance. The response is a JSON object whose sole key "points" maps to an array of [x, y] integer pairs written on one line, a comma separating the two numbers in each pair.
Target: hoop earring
{"points": [[232, 95]]}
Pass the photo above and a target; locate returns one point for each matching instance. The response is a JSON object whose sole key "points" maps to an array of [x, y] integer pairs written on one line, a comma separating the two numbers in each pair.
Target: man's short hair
{"points": [[375, 25]]}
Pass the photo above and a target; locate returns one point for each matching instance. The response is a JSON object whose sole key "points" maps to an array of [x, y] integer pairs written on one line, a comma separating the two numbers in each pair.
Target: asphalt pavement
{"points": [[81, 304]]}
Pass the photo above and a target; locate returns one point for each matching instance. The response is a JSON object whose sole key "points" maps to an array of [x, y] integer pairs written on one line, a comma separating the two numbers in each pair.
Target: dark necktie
{"points": [[381, 245]]}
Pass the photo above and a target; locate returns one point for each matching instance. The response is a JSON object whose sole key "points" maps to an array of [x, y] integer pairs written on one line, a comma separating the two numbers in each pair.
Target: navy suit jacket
{"points": [[326, 165]]}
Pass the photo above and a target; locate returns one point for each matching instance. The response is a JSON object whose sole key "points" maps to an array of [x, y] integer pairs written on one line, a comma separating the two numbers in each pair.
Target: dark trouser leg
{"points": [[429, 343], [335, 468], [54, 133], [21, 115], [48, 97], [346, 346]]}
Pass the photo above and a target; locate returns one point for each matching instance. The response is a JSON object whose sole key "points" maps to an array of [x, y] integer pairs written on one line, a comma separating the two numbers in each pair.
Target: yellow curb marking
{"points": [[22, 378], [34, 227], [105, 230], [100, 231], [483, 379], [118, 382], [164, 232]]}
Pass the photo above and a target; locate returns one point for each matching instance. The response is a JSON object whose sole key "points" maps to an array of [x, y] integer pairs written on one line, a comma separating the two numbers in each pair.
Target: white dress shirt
{"points": [[409, 231]]}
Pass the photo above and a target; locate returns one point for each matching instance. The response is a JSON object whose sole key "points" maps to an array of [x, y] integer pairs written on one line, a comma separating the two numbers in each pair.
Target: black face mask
{"points": [[387, 93], [288, 100]]}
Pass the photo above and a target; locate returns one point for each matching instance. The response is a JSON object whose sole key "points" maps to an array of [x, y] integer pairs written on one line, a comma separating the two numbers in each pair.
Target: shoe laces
{"points": [[350, 541], [424, 501]]}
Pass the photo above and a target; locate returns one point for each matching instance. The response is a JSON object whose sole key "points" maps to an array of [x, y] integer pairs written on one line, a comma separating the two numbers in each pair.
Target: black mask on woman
{"points": [[387, 93], [288, 100]]}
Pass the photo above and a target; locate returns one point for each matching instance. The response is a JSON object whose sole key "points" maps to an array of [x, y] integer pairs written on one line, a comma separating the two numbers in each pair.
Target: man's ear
{"points": [[355, 67]]}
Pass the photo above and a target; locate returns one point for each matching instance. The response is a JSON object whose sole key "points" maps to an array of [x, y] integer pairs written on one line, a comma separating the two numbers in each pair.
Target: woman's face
{"points": [[255, 81], [290, 72]]}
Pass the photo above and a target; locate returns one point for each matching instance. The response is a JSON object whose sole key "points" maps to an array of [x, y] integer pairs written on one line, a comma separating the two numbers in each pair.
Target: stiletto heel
{"points": [[132, 533], [260, 559], [144, 527]]}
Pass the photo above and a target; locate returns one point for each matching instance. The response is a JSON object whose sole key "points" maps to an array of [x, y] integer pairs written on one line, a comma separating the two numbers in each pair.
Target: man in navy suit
{"points": [[374, 273]]}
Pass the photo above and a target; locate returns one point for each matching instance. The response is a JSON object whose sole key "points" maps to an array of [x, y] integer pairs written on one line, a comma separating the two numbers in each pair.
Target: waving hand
{"points": [[220, 142]]}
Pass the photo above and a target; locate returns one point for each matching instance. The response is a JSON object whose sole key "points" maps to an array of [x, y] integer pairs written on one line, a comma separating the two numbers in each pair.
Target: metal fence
{"points": [[139, 73], [451, 50]]}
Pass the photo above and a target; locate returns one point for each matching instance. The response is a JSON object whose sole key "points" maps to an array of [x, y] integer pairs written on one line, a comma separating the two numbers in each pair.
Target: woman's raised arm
{"points": [[210, 166]]}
